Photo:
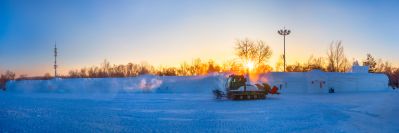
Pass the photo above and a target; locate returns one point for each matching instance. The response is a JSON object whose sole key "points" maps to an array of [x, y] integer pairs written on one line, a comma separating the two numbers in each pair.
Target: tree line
{"points": [[197, 67], [246, 51]]}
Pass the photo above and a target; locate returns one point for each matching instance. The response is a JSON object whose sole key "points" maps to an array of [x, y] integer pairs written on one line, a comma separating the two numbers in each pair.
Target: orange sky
{"points": [[168, 33]]}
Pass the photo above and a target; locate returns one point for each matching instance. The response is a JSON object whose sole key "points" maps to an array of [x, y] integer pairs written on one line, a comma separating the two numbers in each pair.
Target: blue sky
{"points": [[169, 32]]}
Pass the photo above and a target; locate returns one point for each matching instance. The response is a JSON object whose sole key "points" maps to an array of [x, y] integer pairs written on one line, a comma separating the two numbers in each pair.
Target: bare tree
{"points": [[105, 68], [258, 52], [212, 67], [383, 66], [315, 63], [297, 67], [5, 77], [47, 76], [232, 66], [8, 75], [246, 49], [184, 69], [263, 52], [337, 62]]}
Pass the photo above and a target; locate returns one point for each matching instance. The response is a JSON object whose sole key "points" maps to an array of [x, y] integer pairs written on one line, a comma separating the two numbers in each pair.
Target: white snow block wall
{"points": [[350, 82], [293, 82], [320, 82], [288, 82], [145, 83]]}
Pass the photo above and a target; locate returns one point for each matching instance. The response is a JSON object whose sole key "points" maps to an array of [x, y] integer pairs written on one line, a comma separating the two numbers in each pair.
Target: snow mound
{"points": [[291, 82], [145, 83]]}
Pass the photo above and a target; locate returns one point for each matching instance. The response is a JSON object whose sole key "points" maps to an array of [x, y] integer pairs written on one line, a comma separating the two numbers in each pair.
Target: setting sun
{"points": [[250, 65], [199, 66]]}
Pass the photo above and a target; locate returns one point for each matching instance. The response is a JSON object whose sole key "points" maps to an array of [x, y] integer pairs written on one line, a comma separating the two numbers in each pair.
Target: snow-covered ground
{"points": [[186, 104]]}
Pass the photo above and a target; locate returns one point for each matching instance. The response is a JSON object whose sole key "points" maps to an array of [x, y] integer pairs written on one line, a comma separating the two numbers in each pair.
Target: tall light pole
{"points": [[284, 32]]}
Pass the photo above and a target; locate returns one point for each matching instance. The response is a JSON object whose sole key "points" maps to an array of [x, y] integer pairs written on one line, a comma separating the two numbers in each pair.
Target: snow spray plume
{"points": [[221, 80], [149, 84], [257, 78]]}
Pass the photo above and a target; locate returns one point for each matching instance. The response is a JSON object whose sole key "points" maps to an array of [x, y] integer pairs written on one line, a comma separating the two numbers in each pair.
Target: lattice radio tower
{"points": [[55, 60]]}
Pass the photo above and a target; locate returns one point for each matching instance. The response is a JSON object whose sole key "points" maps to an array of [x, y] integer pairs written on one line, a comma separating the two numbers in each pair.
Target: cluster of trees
{"points": [[8, 75], [106, 70], [255, 52], [379, 66], [247, 51], [197, 67], [335, 61]]}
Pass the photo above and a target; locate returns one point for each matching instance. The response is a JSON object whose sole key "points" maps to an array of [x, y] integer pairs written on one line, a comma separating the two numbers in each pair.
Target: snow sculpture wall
{"points": [[319, 82]]}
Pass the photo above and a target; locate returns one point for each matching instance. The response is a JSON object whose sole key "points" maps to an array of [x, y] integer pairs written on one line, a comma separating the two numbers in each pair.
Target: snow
{"points": [[291, 82], [319, 82], [186, 104], [360, 69], [146, 83]]}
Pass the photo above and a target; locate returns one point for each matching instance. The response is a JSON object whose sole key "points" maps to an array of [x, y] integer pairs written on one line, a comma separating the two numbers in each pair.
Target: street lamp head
{"points": [[284, 32]]}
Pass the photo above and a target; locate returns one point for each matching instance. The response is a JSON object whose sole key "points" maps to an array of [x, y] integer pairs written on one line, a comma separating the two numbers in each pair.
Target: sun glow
{"points": [[250, 65]]}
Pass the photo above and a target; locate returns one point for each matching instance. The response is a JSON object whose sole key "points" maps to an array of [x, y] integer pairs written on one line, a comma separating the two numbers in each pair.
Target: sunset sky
{"points": [[168, 32]]}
